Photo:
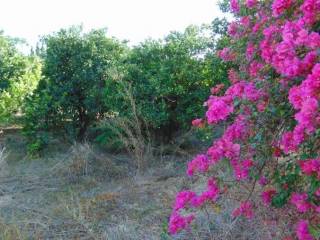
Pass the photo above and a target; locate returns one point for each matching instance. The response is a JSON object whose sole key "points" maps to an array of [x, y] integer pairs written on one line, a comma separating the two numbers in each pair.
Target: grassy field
{"points": [[81, 192]]}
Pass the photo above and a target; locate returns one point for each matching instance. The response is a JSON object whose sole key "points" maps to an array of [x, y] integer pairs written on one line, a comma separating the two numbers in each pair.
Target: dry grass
{"points": [[64, 197], [3, 163], [132, 132]]}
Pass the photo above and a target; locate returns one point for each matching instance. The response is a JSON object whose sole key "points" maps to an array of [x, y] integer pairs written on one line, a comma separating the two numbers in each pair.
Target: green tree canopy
{"points": [[76, 67]]}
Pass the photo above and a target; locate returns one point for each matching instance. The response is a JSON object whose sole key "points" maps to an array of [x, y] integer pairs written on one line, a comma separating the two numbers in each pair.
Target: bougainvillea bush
{"points": [[271, 109]]}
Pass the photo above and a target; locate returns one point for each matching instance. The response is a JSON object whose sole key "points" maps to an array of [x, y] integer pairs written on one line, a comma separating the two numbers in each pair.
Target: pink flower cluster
{"points": [[226, 54], [267, 196], [245, 209], [178, 222], [310, 9], [311, 167], [235, 7], [300, 201], [233, 76], [302, 230], [219, 108], [279, 6], [250, 51], [189, 199], [304, 98], [251, 3], [284, 57], [225, 147], [263, 181], [233, 29], [200, 163]]}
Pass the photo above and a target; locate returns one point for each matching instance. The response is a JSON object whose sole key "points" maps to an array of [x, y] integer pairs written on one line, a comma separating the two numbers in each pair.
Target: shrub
{"points": [[272, 110]]}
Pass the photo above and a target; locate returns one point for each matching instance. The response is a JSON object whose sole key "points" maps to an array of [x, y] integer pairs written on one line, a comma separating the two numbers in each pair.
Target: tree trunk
{"points": [[83, 124]]}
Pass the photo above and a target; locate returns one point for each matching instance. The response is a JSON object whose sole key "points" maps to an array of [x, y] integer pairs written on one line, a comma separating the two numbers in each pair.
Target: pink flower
{"points": [[267, 196], [238, 130], [245, 209], [211, 194], [226, 54], [313, 40], [316, 209], [233, 29], [296, 97], [235, 7], [242, 168], [251, 3], [308, 61], [309, 9], [310, 167], [261, 106], [298, 135], [219, 109], [279, 6], [215, 153], [250, 51], [178, 222], [300, 201], [302, 230], [306, 118], [252, 93], [287, 143], [245, 21], [263, 181], [199, 163], [285, 60], [270, 31], [254, 68], [182, 199], [279, 65], [197, 122], [233, 76]]}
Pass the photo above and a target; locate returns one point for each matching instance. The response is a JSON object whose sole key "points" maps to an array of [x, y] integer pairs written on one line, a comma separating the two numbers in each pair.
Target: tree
{"points": [[76, 67], [170, 78], [19, 76]]}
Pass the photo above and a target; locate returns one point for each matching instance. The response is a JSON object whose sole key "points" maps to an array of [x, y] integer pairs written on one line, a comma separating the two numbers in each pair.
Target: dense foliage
{"points": [[272, 111], [170, 78], [84, 77], [19, 76]]}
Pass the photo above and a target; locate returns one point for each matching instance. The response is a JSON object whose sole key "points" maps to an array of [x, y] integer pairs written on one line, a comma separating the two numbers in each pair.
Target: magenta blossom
{"points": [[302, 230], [245, 209], [300, 201]]}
